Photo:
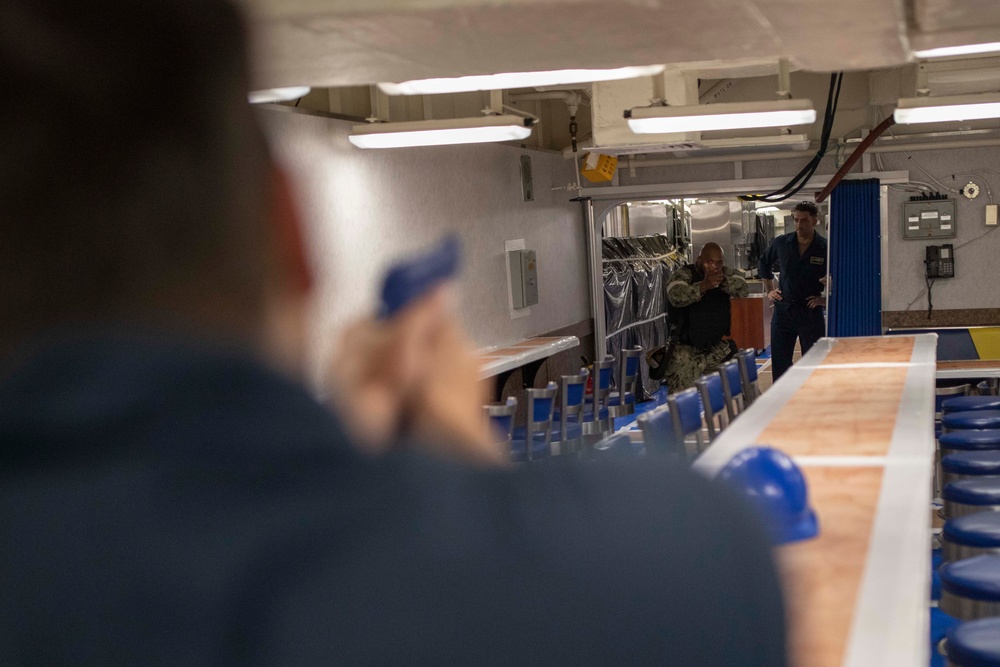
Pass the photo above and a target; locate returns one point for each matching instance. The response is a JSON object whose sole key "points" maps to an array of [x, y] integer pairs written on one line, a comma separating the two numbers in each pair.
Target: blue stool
{"points": [[538, 430], [974, 644], [596, 417], [569, 431], [960, 465], [732, 387], [942, 394], [970, 588], [970, 403], [971, 535], [713, 401], [658, 434], [968, 496], [621, 403], [686, 414], [747, 360], [972, 419], [617, 446], [967, 441], [964, 441]]}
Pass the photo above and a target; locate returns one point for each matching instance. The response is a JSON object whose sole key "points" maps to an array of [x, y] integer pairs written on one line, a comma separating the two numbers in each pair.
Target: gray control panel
{"points": [[523, 278], [932, 219]]}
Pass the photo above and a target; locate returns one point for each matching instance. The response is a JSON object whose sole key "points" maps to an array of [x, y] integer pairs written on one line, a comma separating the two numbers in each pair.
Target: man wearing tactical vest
{"points": [[699, 317]]}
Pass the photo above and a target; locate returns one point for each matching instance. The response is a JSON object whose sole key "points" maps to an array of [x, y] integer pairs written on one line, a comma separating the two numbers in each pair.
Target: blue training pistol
{"points": [[410, 279]]}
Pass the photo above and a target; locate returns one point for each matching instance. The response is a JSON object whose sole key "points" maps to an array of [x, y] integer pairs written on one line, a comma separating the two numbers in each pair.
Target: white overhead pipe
{"points": [[792, 155]]}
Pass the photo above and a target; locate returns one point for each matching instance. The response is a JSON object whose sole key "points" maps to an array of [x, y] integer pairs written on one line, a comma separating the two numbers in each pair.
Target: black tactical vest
{"points": [[704, 322]]}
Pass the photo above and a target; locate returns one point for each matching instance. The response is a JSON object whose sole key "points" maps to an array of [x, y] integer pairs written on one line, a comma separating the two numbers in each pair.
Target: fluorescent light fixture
{"points": [[943, 109], [441, 132], [277, 94], [708, 117], [961, 50], [463, 84]]}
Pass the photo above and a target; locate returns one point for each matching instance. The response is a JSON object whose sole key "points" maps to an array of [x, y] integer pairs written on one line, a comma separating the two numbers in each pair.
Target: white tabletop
{"points": [[972, 369], [888, 623], [499, 360]]}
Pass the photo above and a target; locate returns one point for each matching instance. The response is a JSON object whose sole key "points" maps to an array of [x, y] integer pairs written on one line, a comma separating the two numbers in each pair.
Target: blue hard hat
{"points": [[776, 487]]}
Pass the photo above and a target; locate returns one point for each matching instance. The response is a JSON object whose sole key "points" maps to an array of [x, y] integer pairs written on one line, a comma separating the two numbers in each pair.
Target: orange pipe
{"points": [[855, 156]]}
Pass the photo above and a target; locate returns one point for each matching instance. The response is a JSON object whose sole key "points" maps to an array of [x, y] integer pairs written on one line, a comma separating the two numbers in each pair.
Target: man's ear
{"points": [[287, 232]]}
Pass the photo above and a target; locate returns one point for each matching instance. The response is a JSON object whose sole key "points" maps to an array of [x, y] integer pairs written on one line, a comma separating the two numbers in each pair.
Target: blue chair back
{"points": [[686, 408], [713, 401], [538, 430], [658, 433], [571, 412], [541, 402], [628, 369], [732, 387], [604, 371], [747, 360], [751, 358]]}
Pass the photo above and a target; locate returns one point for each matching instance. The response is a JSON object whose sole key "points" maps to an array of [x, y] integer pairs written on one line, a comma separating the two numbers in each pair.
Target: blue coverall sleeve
{"points": [[767, 261]]}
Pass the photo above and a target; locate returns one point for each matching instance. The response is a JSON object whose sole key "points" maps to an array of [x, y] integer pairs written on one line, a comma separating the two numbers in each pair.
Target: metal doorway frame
{"points": [[597, 204]]}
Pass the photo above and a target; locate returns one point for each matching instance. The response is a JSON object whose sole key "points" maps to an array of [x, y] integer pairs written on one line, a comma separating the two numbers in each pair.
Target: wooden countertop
{"points": [[496, 361], [857, 416], [822, 576], [968, 369]]}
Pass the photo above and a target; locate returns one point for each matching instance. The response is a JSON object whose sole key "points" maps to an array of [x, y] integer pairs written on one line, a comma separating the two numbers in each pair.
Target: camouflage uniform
{"points": [[688, 363]]}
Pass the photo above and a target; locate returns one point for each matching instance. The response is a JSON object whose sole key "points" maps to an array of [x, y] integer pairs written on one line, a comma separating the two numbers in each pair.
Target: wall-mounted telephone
{"points": [[940, 261]]}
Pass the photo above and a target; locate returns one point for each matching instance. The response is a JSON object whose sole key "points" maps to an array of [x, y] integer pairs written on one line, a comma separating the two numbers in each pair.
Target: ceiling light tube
{"points": [[441, 132], [960, 50], [708, 117], [508, 80], [277, 94], [944, 109]]}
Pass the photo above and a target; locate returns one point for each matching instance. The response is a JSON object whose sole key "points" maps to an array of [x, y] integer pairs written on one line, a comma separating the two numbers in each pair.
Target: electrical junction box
{"points": [[523, 278], [929, 219]]}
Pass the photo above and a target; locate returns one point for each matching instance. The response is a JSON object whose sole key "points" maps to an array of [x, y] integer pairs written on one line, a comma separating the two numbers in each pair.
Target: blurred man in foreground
{"points": [[169, 492]]}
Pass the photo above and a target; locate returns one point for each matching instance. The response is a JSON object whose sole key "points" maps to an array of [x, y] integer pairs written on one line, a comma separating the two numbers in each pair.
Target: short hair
{"points": [[711, 245], [807, 207], [132, 171]]}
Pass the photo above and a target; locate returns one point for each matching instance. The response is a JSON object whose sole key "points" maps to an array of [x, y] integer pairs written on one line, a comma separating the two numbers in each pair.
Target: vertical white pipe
{"points": [[596, 270]]}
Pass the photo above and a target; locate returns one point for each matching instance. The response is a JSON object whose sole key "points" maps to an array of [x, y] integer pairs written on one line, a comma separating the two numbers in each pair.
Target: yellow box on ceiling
{"points": [[598, 168]]}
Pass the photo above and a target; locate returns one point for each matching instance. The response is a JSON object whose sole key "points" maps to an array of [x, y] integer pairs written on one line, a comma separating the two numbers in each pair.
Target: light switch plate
{"points": [[515, 313]]}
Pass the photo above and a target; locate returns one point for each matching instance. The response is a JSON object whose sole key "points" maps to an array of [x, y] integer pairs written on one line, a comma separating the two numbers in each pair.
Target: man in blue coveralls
{"points": [[798, 300]]}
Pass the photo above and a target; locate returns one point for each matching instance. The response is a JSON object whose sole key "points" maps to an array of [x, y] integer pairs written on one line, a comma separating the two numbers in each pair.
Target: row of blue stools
{"points": [[699, 414], [569, 421], [565, 419], [967, 581]]}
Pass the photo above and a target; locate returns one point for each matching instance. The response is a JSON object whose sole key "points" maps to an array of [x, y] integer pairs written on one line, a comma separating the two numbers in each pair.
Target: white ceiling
{"points": [[357, 42], [949, 22], [336, 44]]}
